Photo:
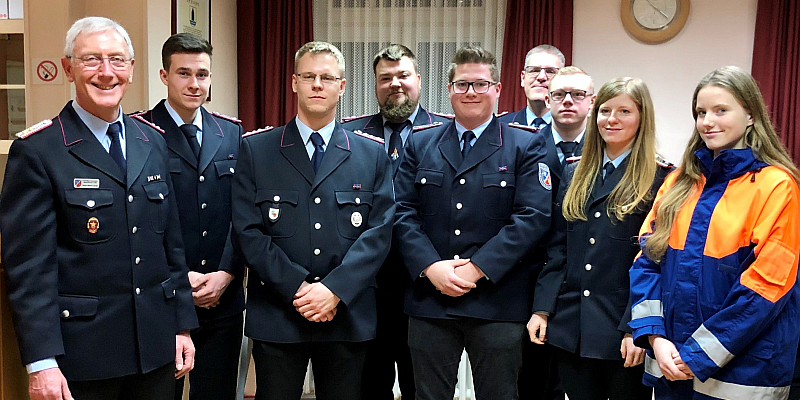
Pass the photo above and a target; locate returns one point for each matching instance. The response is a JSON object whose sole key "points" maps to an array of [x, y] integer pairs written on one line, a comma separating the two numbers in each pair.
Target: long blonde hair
{"points": [[634, 187], [759, 137]]}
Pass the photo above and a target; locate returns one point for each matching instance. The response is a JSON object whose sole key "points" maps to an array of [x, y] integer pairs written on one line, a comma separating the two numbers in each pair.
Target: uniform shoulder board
{"points": [[448, 116], [150, 124], [572, 159], [368, 136], [228, 117], [524, 127], [348, 119], [259, 130], [135, 113], [35, 128], [662, 162], [428, 126], [501, 114]]}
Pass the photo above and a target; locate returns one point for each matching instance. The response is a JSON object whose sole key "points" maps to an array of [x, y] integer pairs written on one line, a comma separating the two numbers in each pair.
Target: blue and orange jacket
{"points": [[724, 293]]}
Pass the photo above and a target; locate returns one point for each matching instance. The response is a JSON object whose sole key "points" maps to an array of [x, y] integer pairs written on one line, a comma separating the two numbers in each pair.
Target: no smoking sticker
{"points": [[46, 71]]}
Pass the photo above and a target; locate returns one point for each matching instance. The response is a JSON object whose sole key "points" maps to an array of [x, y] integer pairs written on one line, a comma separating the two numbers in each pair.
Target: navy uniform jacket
{"points": [[585, 284], [204, 206], [520, 117], [492, 208], [293, 226], [96, 269]]}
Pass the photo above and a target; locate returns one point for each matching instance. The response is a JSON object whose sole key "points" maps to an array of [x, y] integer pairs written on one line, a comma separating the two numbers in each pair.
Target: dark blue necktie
{"points": [[319, 151], [190, 131], [467, 137], [396, 141], [609, 169], [116, 149], [538, 122], [567, 149]]}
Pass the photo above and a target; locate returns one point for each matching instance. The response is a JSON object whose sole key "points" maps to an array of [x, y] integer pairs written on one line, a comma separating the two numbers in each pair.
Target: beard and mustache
{"points": [[393, 111]]}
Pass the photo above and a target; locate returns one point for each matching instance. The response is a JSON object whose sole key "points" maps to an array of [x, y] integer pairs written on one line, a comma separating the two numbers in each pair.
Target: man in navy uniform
{"points": [[203, 148], [397, 88], [91, 239], [473, 196], [312, 215], [541, 64]]}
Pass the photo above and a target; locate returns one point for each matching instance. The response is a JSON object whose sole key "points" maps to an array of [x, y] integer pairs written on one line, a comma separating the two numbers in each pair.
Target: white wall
{"points": [[718, 32]]}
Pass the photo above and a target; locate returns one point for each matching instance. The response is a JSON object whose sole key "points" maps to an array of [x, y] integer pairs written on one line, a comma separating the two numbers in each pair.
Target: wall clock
{"points": [[654, 21]]}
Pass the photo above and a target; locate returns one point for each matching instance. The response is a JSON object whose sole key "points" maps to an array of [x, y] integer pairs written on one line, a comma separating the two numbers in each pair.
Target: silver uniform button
{"points": [[203, 262], [65, 313], [588, 267], [503, 183], [358, 200], [459, 206], [202, 178], [586, 293], [203, 206], [591, 241], [458, 232], [423, 181], [138, 260], [316, 252], [173, 292], [276, 198], [317, 226], [262, 283], [232, 169], [134, 229], [456, 257], [462, 181], [205, 233], [317, 200], [161, 196], [597, 214], [138, 291], [90, 203], [317, 279], [130, 198]]}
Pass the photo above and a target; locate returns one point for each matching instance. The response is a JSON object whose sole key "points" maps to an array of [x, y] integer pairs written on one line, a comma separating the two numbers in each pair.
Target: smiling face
{"points": [[316, 101], [397, 87], [535, 86], [187, 80], [721, 120], [472, 109], [100, 90], [618, 123]]}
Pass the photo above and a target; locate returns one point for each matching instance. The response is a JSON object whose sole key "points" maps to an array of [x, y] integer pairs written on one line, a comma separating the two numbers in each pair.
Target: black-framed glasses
{"points": [[577, 95], [94, 62], [310, 77], [534, 70], [479, 86]]}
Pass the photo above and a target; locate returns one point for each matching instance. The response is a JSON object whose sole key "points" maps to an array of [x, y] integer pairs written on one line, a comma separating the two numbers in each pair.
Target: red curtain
{"points": [[530, 23], [270, 32], [776, 66]]}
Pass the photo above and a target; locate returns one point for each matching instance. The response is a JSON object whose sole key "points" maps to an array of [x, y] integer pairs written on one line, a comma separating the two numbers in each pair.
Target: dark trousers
{"points": [[677, 390], [593, 379], [158, 384], [390, 346], [538, 378], [281, 369], [216, 362], [494, 350]]}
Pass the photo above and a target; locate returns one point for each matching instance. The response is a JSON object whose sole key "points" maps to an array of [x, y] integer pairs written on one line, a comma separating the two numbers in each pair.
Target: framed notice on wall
{"points": [[192, 16]]}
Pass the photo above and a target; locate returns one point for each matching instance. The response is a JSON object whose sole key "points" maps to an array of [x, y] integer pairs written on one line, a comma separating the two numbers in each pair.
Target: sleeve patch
{"points": [[544, 176], [368, 136], [35, 128], [259, 130], [150, 124]]}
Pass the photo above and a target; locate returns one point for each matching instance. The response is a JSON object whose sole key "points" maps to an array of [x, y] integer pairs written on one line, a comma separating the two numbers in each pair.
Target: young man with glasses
{"points": [[204, 145], [541, 64], [473, 196], [91, 239], [312, 216]]}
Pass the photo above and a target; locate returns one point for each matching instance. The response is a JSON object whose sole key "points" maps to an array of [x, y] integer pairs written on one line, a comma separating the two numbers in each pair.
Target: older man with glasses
{"points": [[541, 64]]}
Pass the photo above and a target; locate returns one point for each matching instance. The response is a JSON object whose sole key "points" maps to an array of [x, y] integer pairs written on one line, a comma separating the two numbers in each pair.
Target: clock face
{"points": [[654, 14]]}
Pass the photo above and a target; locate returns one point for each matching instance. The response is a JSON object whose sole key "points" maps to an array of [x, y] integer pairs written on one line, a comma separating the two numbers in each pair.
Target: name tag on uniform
{"points": [[85, 183]]}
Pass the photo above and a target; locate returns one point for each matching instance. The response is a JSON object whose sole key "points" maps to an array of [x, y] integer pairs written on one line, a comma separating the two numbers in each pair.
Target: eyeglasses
{"points": [[477, 86], [94, 62], [577, 95], [310, 77], [533, 70]]}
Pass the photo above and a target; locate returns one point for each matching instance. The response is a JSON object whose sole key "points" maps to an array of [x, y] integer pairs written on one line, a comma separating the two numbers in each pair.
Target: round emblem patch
{"points": [[356, 219]]}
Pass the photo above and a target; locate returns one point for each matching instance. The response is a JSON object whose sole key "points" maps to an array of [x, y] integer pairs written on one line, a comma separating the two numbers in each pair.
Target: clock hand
{"points": [[657, 9]]}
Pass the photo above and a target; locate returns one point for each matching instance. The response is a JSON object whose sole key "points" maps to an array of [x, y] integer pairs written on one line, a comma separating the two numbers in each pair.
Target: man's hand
{"points": [[184, 354], [48, 384], [315, 302], [537, 328], [443, 275], [194, 280], [470, 272], [632, 355], [668, 359], [210, 287]]}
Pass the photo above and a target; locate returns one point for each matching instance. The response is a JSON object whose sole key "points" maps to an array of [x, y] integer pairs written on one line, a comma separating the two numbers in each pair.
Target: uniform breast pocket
{"points": [[158, 205], [429, 186], [89, 214], [353, 212], [279, 211], [626, 232], [225, 168], [498, 195]]}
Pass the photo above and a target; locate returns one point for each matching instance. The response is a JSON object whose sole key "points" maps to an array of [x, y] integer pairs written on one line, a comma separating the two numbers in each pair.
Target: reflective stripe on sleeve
{"points": [[647, 308], [724, 390], [715, 350], [651, 367]]}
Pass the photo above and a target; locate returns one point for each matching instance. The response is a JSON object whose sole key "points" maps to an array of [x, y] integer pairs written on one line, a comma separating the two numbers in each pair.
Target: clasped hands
{"points": [[454, 277], [669, 359], [315, 302], [207, 288]]}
